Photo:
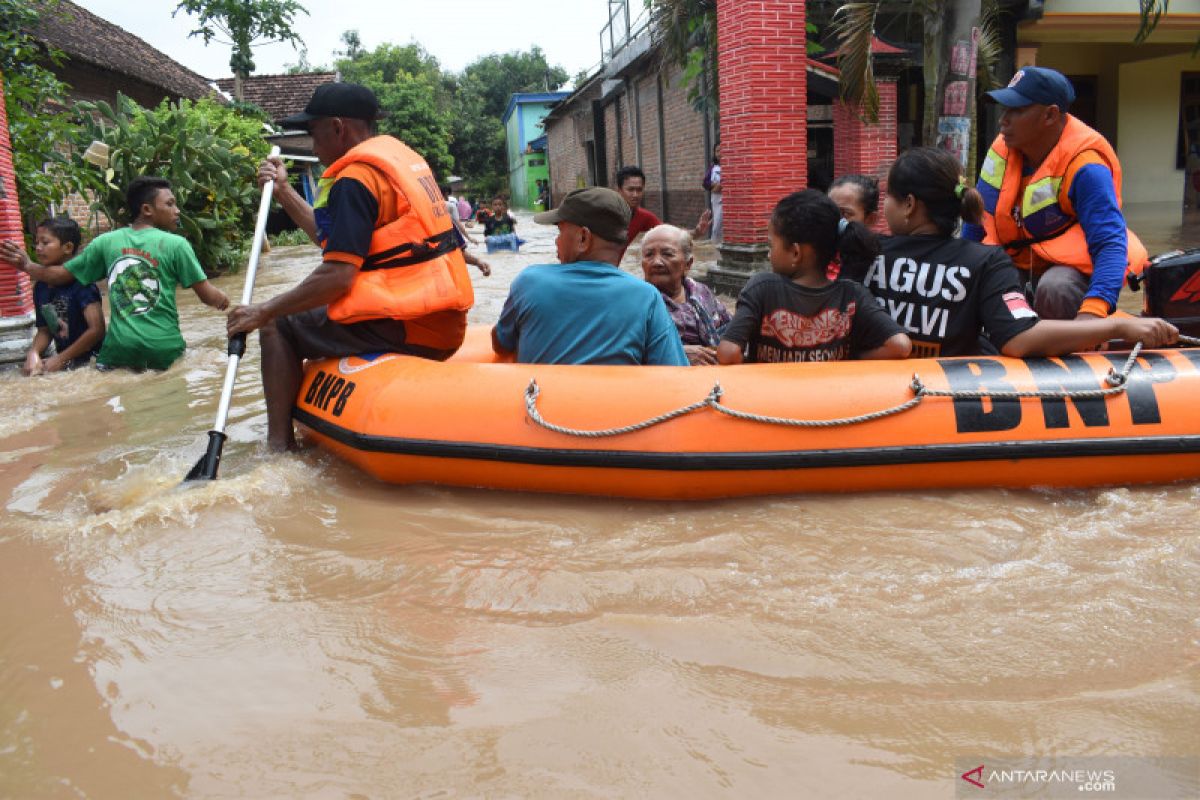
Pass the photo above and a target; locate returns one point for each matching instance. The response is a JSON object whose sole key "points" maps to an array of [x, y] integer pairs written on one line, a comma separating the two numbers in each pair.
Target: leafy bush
{"points": [[290, 238], [45, 174], [209, 153]]}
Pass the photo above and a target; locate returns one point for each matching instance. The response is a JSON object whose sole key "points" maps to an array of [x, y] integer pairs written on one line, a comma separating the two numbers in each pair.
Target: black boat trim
{"points": [[790, 459]]}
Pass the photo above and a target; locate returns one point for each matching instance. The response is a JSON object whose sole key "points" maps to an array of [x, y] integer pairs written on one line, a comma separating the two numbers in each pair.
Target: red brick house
{"points": [[103, 59]]}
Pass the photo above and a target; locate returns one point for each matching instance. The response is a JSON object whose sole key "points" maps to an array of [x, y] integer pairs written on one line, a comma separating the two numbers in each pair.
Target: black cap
{"points": [[1040, 85], [602, 211], [336, 100]]}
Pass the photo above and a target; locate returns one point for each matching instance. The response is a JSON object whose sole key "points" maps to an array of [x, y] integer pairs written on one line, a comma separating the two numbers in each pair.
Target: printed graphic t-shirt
{"points": [[69, 302], [784, 322], [143, 268], [945, 292]]}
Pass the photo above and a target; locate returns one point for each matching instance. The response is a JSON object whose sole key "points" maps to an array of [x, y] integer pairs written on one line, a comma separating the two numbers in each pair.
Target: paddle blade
{"points": [[206, 468]]}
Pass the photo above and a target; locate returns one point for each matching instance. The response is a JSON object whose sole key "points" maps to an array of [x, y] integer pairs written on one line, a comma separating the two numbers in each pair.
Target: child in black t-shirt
{"points": [[499, 221], [500, 227], [945, 291], [795, 313], [71, 316]]}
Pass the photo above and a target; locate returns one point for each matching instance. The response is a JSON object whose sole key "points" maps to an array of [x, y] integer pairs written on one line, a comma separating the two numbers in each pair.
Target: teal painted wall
{"points": [[525, 169]]}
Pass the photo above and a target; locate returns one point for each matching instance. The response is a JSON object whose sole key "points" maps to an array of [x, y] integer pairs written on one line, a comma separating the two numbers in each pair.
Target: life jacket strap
{"points": [[427, 250], [1018, 244]]}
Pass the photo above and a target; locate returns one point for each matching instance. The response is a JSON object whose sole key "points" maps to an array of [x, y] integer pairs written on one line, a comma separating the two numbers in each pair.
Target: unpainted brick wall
{"points": [[636, 109]]}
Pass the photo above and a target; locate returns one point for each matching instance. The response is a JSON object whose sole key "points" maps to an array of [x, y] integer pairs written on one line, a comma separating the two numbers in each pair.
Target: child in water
{"points": [[500, 227], [794, 312], [143, 262], [70, 316]]}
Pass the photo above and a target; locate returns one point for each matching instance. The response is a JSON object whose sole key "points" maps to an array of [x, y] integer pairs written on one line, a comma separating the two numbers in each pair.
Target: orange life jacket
{"points": [[414, 267], [1047, 231]]}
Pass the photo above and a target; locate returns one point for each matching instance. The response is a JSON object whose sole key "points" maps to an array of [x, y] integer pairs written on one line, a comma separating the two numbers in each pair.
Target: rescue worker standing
{"points": [[1051, 188], [392, 276]]}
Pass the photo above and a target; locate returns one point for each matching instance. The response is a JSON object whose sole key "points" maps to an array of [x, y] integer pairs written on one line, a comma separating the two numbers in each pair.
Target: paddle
{"points": [[206, 468]]}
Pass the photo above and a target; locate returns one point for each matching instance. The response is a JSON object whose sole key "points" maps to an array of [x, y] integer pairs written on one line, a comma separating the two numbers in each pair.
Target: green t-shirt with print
{"points": [[143, 267]]}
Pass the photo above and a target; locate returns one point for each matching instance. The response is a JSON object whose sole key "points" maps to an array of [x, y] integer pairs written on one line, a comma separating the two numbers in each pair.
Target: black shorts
{"points": [[313, 335]]}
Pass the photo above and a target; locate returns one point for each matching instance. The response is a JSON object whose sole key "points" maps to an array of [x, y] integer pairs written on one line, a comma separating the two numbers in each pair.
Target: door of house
{"points": [[1188, 158]]}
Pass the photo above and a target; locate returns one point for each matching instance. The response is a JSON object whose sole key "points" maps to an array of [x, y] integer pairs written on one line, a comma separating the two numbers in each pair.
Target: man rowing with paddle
{"points": [[393, 277]]}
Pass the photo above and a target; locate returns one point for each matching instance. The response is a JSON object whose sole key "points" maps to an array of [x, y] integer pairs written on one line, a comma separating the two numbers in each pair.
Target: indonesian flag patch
{"points": [[1018, 306]]}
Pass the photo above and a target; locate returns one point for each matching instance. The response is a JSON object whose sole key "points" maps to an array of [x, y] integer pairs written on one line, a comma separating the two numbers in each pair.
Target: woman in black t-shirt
{"points": [[945, 292], [795, 313]]}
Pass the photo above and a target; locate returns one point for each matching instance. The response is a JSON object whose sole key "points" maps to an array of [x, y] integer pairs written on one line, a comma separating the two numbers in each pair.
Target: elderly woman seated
{"points": [[698, 314]]}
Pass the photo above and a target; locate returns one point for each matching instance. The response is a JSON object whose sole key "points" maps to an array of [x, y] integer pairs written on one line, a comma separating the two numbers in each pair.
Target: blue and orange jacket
{"points": [[1034, 219]]}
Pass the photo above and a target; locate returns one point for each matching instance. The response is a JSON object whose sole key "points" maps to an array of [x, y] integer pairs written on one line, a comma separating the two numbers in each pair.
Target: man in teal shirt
{"points": [[585, 310]]}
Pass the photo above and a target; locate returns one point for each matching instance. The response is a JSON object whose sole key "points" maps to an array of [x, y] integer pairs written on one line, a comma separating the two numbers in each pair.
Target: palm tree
{"points": [[687, 31], [1151, 12], [947, 25]]}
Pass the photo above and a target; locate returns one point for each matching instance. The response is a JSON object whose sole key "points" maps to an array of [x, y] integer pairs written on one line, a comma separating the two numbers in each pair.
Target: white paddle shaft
{"points": [[260, 232]]}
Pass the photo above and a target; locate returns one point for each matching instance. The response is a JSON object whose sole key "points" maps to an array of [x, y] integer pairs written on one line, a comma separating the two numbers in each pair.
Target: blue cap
{"points": [[1039, 85]]}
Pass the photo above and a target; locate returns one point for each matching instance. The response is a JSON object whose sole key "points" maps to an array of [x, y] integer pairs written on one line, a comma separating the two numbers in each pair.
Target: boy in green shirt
{"points": [[143, 264]]}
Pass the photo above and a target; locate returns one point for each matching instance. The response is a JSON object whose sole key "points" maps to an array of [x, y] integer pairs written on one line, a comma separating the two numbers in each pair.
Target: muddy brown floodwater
{"points": [[297, 630]]}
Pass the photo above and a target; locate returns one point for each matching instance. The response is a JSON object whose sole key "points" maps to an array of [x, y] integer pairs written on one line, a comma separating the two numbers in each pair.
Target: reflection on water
{"points": [[296, 629]]}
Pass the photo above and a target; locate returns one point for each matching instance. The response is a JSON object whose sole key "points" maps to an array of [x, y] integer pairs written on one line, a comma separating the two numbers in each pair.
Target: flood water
{"points": [[297, 630]]}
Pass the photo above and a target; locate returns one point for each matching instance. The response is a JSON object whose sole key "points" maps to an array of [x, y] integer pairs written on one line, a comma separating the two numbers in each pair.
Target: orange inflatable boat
{"points": [[707, 432]]}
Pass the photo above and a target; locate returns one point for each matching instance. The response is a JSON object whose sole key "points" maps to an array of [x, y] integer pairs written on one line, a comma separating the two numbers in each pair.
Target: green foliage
{"points": [[291, 238], [687, 30], [45, 174], [303, 65], [1150, 12], [210, 154], [245, 108], [414, 100], [244, 23], [854, 24], [353, 43], [480, 97]]}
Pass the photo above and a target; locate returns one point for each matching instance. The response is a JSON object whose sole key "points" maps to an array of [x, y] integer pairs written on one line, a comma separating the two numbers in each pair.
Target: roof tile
{"points": [[279, 95], [85, 37]]}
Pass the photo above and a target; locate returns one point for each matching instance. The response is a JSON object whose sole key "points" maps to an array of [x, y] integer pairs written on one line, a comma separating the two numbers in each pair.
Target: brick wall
{"points": [[615, 157], [681, 135], [862, 148], [687, 160], [568, 133], [764, 102], [648, 156], [90, 82]]}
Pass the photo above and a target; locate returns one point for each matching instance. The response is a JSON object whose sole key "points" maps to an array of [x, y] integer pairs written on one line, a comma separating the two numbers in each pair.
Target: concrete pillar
{"points": [[762, 63], [16, 295], [866, 148]]}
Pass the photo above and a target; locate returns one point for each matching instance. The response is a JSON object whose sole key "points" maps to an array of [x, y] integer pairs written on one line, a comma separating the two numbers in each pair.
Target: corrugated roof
{"points": [[279, 95], [84, 37]]}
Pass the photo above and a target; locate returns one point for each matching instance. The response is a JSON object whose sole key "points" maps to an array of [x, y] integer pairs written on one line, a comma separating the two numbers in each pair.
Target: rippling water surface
{"points": [[296, 629]]}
